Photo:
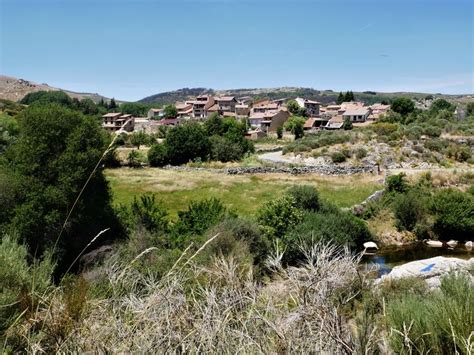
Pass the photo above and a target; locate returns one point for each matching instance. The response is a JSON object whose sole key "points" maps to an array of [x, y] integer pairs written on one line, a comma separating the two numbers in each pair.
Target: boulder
{"points": [[452, 243], [469, 245], [431, 269], [370, 245], [434, 243]]}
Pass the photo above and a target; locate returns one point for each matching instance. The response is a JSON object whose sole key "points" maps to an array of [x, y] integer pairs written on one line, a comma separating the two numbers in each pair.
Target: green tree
{"points": [[135, 109], [214, 125], [158, 155], [57, 150], [347, 125], [112, 104], [133, 159], [470, 109], [340, 98], [441, 104], [454, 214], [278, 216], [403, 105], [170, 111], [139, 138], [295, 125], [224, 150], [187, 142], [293, 107]]}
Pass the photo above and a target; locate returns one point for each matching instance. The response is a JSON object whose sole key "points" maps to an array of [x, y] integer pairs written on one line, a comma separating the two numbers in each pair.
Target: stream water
{"points": [[386, 258]]}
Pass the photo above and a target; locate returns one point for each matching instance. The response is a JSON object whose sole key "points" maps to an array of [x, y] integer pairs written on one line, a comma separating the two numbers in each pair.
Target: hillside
{"points": [[15, 89], [324, 96]]}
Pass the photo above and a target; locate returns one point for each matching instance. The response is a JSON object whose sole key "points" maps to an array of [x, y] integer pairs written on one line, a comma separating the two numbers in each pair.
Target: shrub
{"points": [[295, 125], [347, 125], [361, 153], [158, 155], [338, 157], [280, 132], [409, 210], [306, 197], [397, 183], [458, 152], [336, 227], [384, 129], [453, 211], [198, 218], [144, 212], [278, 216], [403, 105], [225, 150]]}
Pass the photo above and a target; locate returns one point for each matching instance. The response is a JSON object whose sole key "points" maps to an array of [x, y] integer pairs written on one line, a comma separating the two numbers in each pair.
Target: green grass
{"points": [[244, 194]]}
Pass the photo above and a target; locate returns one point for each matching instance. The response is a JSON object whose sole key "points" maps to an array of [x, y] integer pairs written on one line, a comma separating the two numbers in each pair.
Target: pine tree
{"points": [[340, 98], [112, 104]]}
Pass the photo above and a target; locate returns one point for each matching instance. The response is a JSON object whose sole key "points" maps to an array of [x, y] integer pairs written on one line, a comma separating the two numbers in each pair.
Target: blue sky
{"points": [[131, 49]]}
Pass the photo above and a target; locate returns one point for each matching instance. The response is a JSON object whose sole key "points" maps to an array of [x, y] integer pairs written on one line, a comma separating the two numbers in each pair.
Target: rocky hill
{"points": [[324, 96], [15, 89]]}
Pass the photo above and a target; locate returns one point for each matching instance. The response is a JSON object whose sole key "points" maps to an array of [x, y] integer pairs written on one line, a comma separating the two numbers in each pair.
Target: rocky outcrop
{"points": [[431, 270], [359, 209]]}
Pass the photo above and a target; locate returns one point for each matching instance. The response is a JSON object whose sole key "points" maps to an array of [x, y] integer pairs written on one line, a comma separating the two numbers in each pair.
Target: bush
{"points": [[144, 212], [197, 219], [225, 150], [384, 129], [334, 226], [158, 155], [458, 152], [403, 105], [453, 211], [409, 210], [306, 197], [338, 157], [397, 183], [295, 125], [278, 216], [361, 153]]}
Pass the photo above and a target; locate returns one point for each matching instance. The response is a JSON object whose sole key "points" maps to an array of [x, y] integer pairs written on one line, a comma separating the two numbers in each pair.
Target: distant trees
{"points": [[403, 106], [441, 105], [217, 139], [138, 139], [112, 104], [295, 125], [134, 108], [347, 97], [470, 109], [56, 151]]}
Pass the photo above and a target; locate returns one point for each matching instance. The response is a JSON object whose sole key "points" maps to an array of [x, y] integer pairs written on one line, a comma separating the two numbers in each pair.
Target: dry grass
{"points": [[216, 309]]}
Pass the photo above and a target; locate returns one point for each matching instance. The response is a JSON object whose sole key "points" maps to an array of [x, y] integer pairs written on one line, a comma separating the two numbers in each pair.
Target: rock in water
{"points": [[370, 245], [434, 243], [431, 269]]}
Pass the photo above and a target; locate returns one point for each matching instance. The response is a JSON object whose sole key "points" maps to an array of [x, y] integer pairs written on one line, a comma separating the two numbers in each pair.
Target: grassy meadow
{"points": [[244, 194]]}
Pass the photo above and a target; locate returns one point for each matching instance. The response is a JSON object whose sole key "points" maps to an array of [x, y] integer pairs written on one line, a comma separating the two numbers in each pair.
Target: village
{"points": [[264, 116]]}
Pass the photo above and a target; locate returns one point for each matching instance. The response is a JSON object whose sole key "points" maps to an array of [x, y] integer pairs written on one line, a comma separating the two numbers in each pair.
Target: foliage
{"points": [[139, 138], [338, 157], [187, 142], [144, 212], [361, 153], [403, 106], [347, 125], [441, 104], [397, 183], [56, 151], [135, 109], [170, 111], [197, 219], [470, 109], [306, 197], [133, 159], [454, 214], [224, 150], [439, 322], [158, 155], [409, 210], [278, 216], [293, 107], [295, 125], [22, 283], [9, 131], [280, 132]]}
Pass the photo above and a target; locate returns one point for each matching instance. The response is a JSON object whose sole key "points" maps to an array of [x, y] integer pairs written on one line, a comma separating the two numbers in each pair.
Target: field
{"points": [[244, 194]]}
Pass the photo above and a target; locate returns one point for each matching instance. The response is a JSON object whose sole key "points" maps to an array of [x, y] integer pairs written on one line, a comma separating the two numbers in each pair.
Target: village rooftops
{"points": [[356, 111], [224, 98], [112, 115]]}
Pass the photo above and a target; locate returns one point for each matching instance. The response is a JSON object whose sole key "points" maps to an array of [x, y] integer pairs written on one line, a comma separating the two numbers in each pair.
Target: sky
{"points": [[130, 49]]}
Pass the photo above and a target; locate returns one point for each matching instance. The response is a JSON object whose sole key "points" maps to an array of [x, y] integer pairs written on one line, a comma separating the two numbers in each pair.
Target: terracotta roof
{"points": [[213, 108], [224, 98], [309, 122]]}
